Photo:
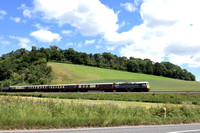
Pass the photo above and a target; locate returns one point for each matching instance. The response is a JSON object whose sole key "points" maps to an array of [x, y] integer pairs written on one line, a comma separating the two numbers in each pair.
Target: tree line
{"points": [[110, 61], [31, 66], [24, 67]]}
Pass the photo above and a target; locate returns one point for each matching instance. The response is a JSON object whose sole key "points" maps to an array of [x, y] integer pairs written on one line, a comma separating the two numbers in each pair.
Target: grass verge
{"points": [[173, 98], [22, 113]]}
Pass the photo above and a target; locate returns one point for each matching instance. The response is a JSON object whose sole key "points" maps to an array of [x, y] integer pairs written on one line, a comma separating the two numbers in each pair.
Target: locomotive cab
{"points": [[133, 86]]}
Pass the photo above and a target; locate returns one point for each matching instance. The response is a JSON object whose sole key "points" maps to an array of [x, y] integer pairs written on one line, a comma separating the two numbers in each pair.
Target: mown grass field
{"points": [[30, 113], [70, 73]]}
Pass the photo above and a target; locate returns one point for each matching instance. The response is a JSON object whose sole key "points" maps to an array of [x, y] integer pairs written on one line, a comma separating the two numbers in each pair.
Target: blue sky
{"points": [[161, 30]]}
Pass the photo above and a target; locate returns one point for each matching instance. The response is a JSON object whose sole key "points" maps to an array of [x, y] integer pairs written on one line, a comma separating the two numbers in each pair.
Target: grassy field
{"points": [[136, 97], [120, 104], [29, 113], [70, 73], [67, 110]]}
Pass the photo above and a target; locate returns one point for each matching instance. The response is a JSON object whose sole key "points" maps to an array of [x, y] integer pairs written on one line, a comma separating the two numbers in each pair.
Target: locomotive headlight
{"points": [[148, 86]]}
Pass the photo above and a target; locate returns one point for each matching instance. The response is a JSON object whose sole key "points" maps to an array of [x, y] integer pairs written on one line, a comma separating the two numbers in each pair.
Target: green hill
{"points": [[70, 74]]}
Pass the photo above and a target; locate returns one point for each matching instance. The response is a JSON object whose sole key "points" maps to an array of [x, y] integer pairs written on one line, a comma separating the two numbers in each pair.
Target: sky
{"points": [[160, 30]]}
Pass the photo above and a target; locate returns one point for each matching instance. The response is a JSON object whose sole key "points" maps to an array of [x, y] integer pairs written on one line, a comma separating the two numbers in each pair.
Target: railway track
{"points": [[184, 92], [181, 92]]}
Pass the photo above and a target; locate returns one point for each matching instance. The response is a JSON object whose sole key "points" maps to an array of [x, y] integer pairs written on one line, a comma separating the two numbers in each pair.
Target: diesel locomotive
{"points": [[106, 87]]}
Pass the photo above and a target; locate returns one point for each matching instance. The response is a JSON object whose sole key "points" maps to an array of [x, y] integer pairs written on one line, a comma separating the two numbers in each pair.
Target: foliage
{"points": [[24, 66], [110, 61]]}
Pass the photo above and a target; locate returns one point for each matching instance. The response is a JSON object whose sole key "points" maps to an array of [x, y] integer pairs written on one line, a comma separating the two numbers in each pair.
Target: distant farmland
{"points": [[70, 74]]}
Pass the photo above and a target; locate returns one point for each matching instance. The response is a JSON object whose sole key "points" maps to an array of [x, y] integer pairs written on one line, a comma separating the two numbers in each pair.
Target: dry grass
{"points": [[63, 75], [121, 104], [31, 113]]}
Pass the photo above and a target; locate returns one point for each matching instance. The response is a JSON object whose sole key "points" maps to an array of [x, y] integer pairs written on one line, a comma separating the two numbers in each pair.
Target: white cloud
{"points": [[89, 42], [122, 24], [98, 46], [91, 18], [27, 13], [111, 48], [69, 44], [4, 42], [129, 6], [23, 42], [170, 29], [45, 36], [67, 32], [2, 14], [79, 45], [16, 19], [191, 60], [38, 26]]}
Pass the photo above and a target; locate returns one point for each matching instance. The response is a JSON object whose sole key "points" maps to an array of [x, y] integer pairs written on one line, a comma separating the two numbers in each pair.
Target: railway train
{"points": [[106, 87]]}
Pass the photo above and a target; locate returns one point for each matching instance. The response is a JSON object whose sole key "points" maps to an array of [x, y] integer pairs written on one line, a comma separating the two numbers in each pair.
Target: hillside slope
{"points": [[70, 74]]}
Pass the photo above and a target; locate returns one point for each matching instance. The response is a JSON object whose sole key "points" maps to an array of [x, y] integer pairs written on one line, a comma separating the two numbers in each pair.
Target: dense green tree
{"points": [[149, 66], [158, 69], [56, 53], [22, 66], [132, 66]]}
